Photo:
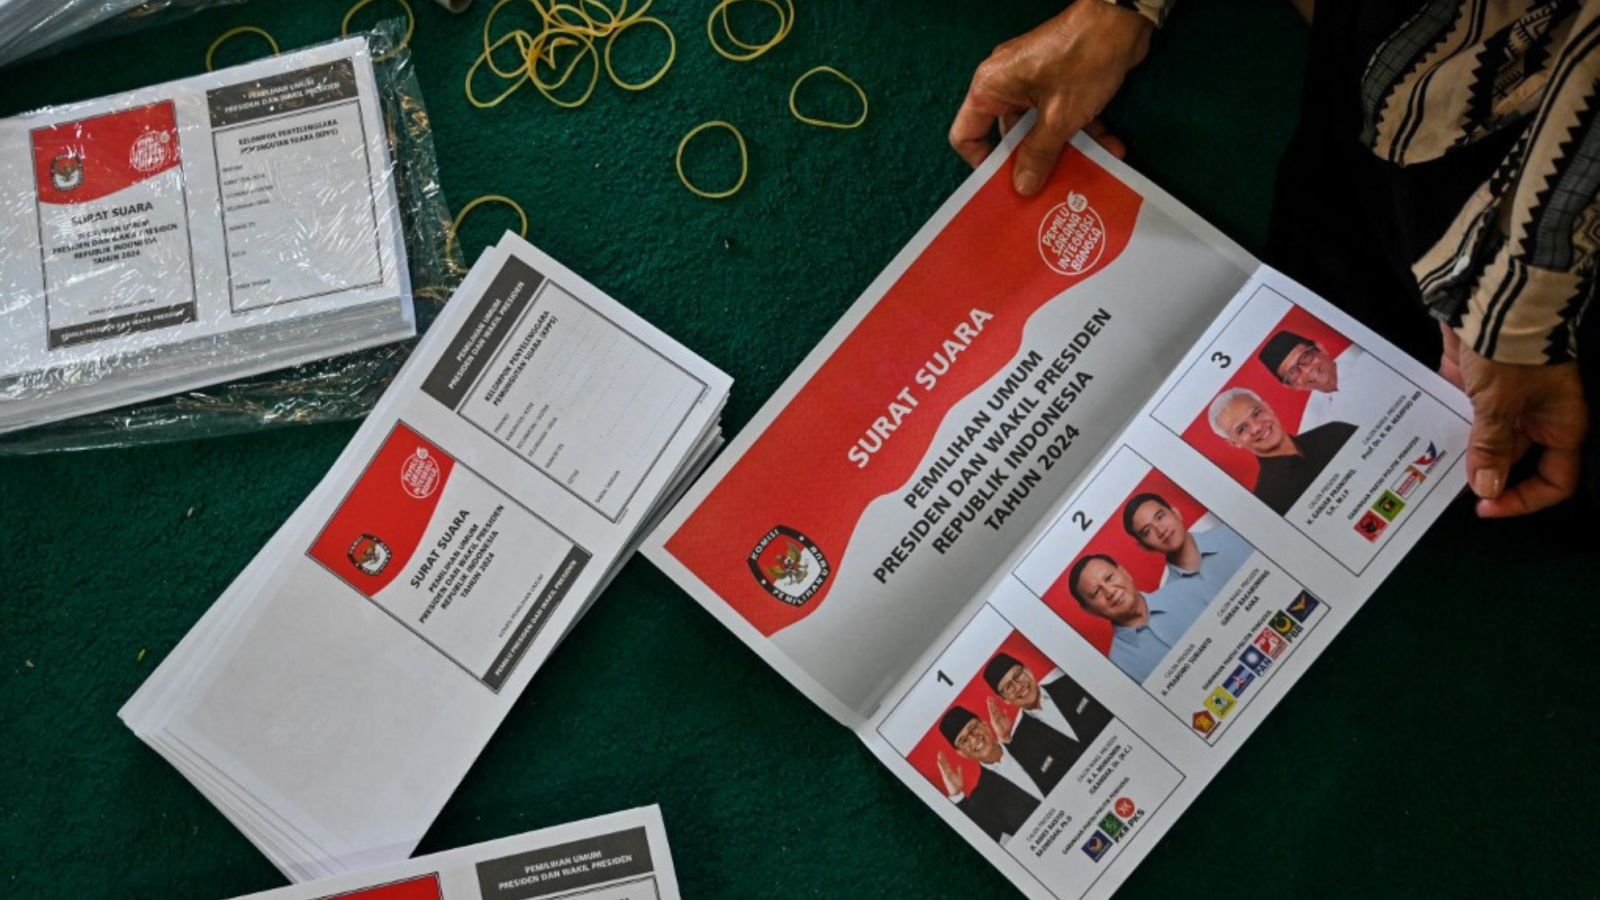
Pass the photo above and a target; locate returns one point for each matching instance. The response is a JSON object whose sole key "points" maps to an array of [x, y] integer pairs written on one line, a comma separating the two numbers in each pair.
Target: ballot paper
{"points": [[330, 701], [1083, 490], [193, 232], [622, 856]]}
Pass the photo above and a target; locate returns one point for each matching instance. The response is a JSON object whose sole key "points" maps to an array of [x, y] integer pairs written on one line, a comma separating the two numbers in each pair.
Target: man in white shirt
{"points": [[1201, 559], [1350, 387]]}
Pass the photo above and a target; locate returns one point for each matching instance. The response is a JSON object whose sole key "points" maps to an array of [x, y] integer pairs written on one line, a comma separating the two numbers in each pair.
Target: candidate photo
{"points": [[1287, 462], [1153, 567], [1289, 405]]}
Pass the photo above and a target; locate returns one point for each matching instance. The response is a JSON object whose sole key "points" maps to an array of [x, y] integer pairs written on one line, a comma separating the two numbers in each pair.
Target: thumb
{"points": [[1038, 152], [1492, 447]]}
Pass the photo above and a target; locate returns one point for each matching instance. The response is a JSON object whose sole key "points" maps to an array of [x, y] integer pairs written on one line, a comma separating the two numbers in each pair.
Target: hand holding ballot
{"points": [[1077, 574]]}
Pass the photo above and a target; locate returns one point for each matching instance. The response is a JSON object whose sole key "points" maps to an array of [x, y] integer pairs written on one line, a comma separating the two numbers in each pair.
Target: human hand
{"points": [[1068, 68], [1516, 407], [954, 782], [1000, 722]]}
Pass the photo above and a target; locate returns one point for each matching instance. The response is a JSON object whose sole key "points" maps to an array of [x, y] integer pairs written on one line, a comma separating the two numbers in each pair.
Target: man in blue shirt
{"points": [[1200, 561], [1145, 627]]}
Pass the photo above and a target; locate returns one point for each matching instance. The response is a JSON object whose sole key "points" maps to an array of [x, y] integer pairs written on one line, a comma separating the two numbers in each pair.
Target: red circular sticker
{"points": [[420, 474], [1125, 807], [150, 151], [1072, 236]]}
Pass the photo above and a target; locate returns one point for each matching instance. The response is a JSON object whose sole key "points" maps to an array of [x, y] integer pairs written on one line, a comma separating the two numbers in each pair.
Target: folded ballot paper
{"points": [[623, 856], [332, 698], [194, 232]]}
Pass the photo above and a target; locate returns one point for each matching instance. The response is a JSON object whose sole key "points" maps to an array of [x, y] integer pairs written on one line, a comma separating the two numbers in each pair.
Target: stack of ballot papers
{"points": [[332, 698], [27, 26], [194, 232], [623, 856]]}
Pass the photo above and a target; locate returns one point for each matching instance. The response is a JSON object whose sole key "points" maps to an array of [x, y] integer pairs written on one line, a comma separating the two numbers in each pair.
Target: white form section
{"points": [[584, 401], [298, 206]]}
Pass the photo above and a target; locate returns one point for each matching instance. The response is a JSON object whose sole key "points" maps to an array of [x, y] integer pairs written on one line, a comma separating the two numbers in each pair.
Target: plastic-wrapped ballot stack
{"points": [[28, 26], [333, 697], [195, 232]]}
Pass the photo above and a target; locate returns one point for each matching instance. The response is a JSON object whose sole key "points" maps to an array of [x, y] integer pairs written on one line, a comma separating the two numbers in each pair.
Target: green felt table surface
{"points": [[1442, 747]]}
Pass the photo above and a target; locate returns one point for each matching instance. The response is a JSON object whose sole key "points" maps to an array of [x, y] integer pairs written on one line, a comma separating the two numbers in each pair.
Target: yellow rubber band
{"points": [[744, 161], [672, 53], [720, 11], [548, 89], [450, 237], [824, 123], [489, 44], [575, 25], [521, 76], [233, 33], [405, 41]]}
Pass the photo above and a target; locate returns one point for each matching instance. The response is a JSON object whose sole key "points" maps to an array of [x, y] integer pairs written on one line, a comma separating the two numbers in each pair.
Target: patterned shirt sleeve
{"points": [[1154, 10], [1514, 272]]}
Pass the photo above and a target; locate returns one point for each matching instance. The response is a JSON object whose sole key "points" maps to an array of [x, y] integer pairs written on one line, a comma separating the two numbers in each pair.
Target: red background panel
{"points": [[987, 257], [104, 147], [379, 505], [424, 887]]}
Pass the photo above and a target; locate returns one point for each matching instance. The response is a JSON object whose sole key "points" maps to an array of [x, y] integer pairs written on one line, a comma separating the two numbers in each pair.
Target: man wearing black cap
{"points": [[1350, 387], [1006, 794], [1059, 718]]}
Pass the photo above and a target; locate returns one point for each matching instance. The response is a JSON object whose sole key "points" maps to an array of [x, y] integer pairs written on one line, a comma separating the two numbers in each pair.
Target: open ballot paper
{"points": [[623, 856], [332, 698], [1079, 490], [193, 232]]}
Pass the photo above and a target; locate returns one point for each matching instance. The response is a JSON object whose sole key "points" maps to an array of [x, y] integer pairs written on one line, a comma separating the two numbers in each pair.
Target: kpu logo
{"points": [[370, 555], [789, 565], [66, 171]]}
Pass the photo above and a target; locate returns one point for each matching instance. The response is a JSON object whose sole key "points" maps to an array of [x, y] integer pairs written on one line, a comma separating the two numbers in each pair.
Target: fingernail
{"points": [[1027, 182], [1487, 483]]}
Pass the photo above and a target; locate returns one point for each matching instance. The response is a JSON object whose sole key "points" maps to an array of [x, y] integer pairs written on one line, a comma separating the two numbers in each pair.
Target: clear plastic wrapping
{"points": [[307, 254], [28, 27]]}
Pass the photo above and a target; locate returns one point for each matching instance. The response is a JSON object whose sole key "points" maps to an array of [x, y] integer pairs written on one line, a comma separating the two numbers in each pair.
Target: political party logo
{"points": [[150, 151], [1286, 627], [1427, 460], [370, 555], [1204, 722], [789, 565], [1302, 606], [1125, 807], [1220, 702], [1371, 525], [1097, 846], [1239, 680], [1388, 505], [1255, 660], [1113, 827], [419, 474], [1072, 236], [1408, 482], [1270, 643], [66, 171]]}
